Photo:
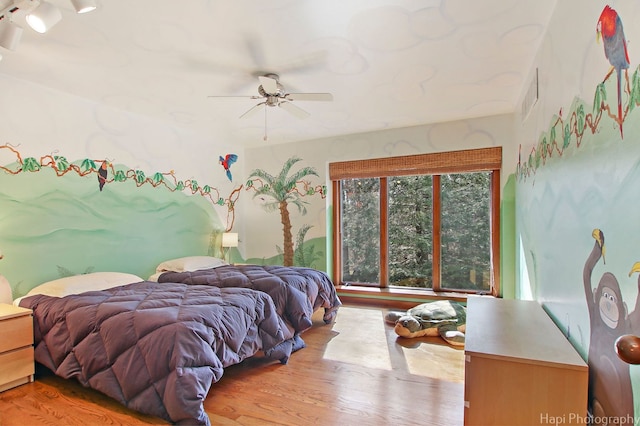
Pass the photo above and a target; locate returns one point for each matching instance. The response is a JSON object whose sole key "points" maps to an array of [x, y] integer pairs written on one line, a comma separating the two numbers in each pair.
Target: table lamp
{"points": [[229, 239]]}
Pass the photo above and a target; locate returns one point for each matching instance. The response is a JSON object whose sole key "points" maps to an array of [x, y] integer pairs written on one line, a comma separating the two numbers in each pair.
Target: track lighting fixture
{"points": [[84, 6], [43, 17], [40, 15], [10, 33]]}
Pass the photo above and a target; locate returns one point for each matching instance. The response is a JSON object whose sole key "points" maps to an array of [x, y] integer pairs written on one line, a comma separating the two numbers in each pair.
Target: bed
{"points": [[156, 348], [296, 291]]}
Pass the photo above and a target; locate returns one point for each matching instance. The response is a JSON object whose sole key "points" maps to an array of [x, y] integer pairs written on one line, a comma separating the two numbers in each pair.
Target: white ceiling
{"points": [[388, 63]]}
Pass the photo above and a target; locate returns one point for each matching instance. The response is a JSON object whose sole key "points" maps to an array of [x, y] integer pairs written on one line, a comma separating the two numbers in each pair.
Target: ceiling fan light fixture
{"points": [[84, 6], [43, 17], [10, 34], [273, 94]]}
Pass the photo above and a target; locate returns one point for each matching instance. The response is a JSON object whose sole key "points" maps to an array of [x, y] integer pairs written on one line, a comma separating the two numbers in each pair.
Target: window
{"points": [[361, 220], [427, 221]]}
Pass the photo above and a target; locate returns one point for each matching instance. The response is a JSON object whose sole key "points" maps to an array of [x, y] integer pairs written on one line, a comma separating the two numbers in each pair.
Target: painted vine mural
{"points": [[106, 173], [572, 128], [578, 184], [290, 190]]}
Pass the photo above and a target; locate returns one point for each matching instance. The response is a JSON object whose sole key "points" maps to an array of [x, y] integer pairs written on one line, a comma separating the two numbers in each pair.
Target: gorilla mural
{"points": [[610, 393]]}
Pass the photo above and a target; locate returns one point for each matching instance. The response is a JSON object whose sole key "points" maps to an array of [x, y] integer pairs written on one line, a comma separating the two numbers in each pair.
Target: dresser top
{"points": [[10, 311], [519, 330]]}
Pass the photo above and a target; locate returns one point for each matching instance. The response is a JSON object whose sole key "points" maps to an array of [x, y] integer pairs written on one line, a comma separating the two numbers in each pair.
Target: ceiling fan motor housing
{"points": [[274, 95], [279, 92]]}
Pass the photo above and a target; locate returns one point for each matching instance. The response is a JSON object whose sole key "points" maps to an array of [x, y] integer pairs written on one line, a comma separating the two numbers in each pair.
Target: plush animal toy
{"points": [[442, 318]]}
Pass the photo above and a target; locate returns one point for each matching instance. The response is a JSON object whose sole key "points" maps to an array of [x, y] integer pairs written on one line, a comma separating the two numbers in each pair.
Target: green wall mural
{"points": [[578, 184], [569, 130], [59, 218], [107, 173]]}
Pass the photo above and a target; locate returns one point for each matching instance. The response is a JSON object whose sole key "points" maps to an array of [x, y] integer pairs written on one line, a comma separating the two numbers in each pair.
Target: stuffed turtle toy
{"points": [[443, 318]]}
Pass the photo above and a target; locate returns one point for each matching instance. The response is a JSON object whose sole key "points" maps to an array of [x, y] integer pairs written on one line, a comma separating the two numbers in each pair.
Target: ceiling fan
{"points": [[273, 94]]}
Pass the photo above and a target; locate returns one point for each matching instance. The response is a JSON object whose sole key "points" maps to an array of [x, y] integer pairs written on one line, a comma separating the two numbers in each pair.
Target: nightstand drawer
{"points": [[15, 365], [16, 333]]}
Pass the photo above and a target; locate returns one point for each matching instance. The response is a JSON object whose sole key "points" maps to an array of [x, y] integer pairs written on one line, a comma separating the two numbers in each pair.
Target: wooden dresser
{"points": [[520, 369], [16, 346]]}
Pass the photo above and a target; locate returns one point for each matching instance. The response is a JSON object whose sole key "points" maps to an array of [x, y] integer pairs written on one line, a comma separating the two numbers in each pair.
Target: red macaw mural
{"points": [[226, 162], [615, 49]]}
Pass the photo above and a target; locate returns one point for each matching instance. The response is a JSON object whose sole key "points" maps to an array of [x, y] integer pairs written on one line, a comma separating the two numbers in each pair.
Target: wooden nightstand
{"points": [[16, 346]]}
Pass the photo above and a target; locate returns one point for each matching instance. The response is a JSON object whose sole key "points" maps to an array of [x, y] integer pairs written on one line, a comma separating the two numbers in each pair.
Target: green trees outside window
{"points": [[459, 217], [360, 203], [465, 231]]}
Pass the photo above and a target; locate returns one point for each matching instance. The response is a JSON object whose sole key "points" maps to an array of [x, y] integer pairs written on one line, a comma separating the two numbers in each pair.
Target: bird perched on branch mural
{"points": [[226, 162], [615, 49], [102, 174]]}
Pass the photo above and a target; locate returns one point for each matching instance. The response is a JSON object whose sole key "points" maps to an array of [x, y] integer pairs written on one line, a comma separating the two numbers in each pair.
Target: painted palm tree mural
{"points": [[279, 191]]}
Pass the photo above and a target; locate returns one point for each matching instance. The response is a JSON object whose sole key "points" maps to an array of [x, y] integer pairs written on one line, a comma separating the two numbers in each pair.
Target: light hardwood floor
{"points": [[355, 371]]}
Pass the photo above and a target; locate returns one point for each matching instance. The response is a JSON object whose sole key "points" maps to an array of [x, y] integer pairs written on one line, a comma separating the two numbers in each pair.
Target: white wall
{"points": [[39, 121]]}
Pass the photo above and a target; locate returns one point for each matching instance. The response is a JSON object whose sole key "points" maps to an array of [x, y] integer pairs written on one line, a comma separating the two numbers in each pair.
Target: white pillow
{"points": [[154, 277], [190, 263], [77, 284]]}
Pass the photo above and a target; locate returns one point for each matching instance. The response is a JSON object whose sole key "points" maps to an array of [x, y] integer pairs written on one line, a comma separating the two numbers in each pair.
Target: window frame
{"points": [[435, 164]]}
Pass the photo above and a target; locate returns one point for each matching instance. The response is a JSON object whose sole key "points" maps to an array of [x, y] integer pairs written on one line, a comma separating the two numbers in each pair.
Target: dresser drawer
{"points": [[15, 365], [16, 332]]}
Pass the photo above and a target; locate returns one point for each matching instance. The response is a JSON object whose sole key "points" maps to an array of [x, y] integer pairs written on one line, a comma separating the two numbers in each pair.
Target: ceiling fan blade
{"points": [[253, 110], [294, 110], [235, 96], [309, 96], [269, 84]]}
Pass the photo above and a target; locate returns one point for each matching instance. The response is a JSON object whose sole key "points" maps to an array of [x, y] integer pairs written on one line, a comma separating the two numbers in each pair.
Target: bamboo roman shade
{"points": [[470, 160]]}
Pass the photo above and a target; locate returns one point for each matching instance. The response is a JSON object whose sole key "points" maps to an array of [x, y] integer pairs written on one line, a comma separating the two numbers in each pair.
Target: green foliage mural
{"points": [[567, 131], [91, 215], [85, 167], [61, 218], [281, 190], [578, 184], [305, 254]]}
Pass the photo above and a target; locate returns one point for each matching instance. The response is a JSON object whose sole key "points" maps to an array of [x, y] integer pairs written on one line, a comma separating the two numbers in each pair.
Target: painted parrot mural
{"points": [[226, 162], [615, 49]]}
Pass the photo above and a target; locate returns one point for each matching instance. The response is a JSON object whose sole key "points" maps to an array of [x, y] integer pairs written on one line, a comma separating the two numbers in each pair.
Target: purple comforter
{"points": [[296, 291], [156, 348]]}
